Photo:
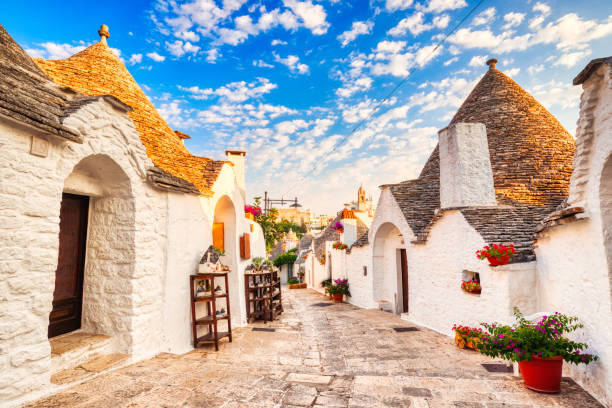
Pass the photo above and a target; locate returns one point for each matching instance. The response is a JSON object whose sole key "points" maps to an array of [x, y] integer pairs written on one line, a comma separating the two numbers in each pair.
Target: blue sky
{"points": [[286, 80]]}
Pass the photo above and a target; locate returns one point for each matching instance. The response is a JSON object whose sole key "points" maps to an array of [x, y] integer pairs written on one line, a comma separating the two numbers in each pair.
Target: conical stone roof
{"points": [[98, 71], [531, 158]]}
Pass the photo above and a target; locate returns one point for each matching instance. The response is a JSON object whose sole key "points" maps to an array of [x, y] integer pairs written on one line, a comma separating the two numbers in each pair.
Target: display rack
{"points": [[263, 295], [211, 319]]}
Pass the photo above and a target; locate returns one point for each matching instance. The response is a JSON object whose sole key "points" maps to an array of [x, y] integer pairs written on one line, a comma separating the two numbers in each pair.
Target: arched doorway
{"points": [[605, 202], [390, 264], [225, 237], [94, 285]]}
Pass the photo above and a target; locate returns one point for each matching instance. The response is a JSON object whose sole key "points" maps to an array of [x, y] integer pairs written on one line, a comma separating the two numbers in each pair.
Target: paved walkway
{"points": [[332, 356]]}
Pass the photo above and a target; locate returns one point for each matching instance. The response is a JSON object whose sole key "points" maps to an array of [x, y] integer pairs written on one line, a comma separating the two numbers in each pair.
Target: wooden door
{"points": [[68, 295], [218, 235], [404, 266]]}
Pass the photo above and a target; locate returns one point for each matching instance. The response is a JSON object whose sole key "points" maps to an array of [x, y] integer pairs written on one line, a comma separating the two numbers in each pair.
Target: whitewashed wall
{"points": [[573, 272], [30, 196], [360, 285]]}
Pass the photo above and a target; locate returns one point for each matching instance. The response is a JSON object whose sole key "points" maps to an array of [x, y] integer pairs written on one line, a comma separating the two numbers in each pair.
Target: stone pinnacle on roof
{"points": [[103, 32], [491, 63]]}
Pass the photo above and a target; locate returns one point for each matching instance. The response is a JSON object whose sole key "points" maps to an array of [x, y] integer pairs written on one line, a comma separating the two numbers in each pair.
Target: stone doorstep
{"points": [[88, 369], [73, 349]]}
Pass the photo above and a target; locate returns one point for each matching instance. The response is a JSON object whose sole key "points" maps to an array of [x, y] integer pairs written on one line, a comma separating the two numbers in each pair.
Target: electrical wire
{"points": [[382, 101]]}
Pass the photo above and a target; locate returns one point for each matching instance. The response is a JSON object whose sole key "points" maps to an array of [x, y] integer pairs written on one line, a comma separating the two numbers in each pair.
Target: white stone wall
{"points": [[573, 267], [360, 285], [30, 196]]}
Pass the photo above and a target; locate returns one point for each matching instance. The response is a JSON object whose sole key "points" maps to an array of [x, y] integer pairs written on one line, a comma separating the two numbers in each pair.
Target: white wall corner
{"points": [[466, 177], [236, 157]]}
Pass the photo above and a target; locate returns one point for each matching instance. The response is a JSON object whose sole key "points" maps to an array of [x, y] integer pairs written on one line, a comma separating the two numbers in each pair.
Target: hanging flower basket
{"points": [[471, 286], [497, 254], [339, 245]]}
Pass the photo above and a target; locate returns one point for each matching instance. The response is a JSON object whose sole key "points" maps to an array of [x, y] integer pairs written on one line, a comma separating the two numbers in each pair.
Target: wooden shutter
{"points": [[245, 246], [218, 235]]}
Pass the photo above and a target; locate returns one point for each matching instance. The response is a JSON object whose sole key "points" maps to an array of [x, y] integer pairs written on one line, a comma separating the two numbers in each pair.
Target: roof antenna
{"points": [[103, 32]]}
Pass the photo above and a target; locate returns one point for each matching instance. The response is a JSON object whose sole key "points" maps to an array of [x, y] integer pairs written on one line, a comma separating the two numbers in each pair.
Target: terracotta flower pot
{"points": [[494, 261], [337, 297], [542, 374]]}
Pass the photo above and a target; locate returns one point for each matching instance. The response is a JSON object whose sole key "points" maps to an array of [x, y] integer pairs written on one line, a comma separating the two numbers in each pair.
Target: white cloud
{"points": [[553, 93], [262, 64], [156, 57], [358, 28], [234, 91], [478, 61], [512, 72], [179, 48], [393, 5], [54, 51], [353, 86], [438, 6], [450, 61], [293, 63], [543, 10], [484, 17], [513, 20], [135, 59], [278, 42], [313, 16], [571, 59], [212, 55], [416, 25]]}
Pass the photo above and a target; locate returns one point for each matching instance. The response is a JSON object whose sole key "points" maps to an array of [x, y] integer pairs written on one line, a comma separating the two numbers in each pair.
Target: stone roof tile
{"points": [[97, 70]]}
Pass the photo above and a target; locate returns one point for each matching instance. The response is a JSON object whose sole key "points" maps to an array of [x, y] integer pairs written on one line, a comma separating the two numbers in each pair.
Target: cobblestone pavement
{"points": [[332, 356]]}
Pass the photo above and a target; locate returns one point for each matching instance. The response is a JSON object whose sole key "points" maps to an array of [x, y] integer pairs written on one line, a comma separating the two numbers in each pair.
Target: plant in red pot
{"points": [[497, 254], [339, 245], [538, 347], [338, 289]]}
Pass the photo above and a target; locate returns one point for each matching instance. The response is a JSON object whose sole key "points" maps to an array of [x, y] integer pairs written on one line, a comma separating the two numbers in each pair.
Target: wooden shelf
{"points": [[262, 289], [209, 298], [211, 319], [210, 337]]}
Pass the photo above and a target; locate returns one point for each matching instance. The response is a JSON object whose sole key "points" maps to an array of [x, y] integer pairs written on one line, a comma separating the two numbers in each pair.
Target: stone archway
{"points": [[390, 268], [225, 221], [108, 286], [605, 202]]}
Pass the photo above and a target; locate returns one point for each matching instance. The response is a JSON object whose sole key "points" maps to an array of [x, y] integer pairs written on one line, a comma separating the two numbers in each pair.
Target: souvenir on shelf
{"points": [[210, 261]]}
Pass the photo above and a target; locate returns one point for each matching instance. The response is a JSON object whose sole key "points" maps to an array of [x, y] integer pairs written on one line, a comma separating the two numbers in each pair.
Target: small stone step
{"points": [[88, 369], [73, 349]]}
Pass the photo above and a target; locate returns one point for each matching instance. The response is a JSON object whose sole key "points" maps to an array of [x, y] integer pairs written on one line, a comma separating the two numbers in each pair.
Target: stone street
{"points": [[321, 355]]}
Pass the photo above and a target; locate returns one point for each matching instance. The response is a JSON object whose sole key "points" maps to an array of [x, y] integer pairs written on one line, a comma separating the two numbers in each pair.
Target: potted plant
{"points": [[339, 245], [467, 336], [497, 254], [471, 286], [539, 348], [338, 289], [258, 262], [338, 227], [294, 283]]}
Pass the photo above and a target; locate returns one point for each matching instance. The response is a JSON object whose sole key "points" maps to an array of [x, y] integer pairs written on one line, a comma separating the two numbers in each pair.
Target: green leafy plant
{"points": [[543, 339], [325, 283], [286, 258], [471, 286], [258, 261], [220, 252], [293, 280], [339, 286]]}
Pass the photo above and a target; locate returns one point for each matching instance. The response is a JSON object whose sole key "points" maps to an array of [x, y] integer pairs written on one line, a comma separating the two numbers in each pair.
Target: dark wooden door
{"points": [[404, 264], [68, 295]]}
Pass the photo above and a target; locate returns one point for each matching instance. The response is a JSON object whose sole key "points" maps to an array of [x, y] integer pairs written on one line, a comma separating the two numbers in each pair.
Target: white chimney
{"points": [[236, 157], [466, 177]]}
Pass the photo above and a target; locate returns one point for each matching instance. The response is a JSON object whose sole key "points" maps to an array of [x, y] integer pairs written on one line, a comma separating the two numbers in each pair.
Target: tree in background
{"points": [[272, 230]]}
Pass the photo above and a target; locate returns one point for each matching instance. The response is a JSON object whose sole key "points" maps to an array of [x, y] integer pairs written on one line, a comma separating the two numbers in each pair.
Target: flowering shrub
{"points": [[467, 332], [252, 209], [339, 286], [338, 226], [339, 245], [525, 340], [471, 286], [499, 253]]}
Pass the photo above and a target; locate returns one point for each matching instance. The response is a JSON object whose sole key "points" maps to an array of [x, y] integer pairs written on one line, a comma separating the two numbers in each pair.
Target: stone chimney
{"points": [[237, 159], [466, 177], [103, 33], [349, 221]]}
